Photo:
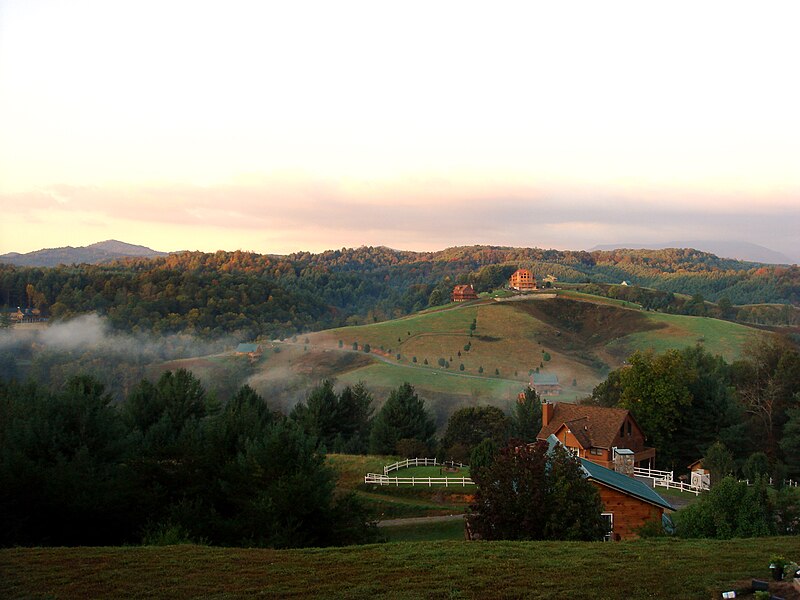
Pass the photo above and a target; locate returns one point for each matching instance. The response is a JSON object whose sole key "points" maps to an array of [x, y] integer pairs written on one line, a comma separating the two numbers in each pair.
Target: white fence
{"points": [[653, 473], [420, 462], [676, 485], [429, 481]]}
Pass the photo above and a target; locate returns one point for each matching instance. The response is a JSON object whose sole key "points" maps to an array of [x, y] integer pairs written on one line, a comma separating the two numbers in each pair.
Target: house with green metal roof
{"points": [[627, 502], [545, 384], [251, 350]]}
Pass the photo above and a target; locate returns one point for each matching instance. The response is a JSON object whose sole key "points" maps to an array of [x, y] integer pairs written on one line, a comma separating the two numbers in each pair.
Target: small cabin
{"points": [[251, 350], [701, 478], [545, 384], [464, 293]]}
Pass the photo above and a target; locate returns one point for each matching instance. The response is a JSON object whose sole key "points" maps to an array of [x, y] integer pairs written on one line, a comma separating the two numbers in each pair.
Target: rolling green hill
{"points": [[576, 336]]}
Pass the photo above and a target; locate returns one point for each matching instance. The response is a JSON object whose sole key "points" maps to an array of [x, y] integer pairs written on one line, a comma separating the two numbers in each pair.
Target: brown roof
{"points": [[463, 288], [597, 425]]}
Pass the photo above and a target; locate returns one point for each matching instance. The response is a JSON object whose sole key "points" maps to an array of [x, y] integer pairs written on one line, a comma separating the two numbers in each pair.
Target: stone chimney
{"points": [[547, 413], [623, 461]]}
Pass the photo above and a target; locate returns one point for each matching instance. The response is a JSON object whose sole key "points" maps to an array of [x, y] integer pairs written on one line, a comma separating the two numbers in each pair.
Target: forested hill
{"points": [[252, 294]]}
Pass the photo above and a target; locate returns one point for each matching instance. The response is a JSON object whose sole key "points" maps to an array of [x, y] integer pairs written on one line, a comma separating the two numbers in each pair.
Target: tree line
{"points": [[687, 400], [254, 295], [168, 465]]}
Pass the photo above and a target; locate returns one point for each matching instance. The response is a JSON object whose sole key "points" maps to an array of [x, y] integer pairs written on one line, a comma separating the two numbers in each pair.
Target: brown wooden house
{"points": [[464, 293], [595, 432], [627, 502], [522, 280]]}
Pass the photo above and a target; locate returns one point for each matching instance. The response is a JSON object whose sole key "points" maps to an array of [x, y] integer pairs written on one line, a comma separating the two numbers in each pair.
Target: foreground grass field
{"points": [[457, 569]]}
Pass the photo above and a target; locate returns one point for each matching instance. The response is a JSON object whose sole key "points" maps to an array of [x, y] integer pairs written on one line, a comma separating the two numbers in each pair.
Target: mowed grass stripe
{"points": [[456, 569]]}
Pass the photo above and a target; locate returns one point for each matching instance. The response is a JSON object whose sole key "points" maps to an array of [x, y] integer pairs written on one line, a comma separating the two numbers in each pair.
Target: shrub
{"points": [[461, 367], [367, 348]]}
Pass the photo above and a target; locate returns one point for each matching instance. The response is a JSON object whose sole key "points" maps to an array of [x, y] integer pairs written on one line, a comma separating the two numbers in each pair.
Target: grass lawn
{"points": [[437, 471], [391, 502], [684, 569], [717, 336], [425, 532]]}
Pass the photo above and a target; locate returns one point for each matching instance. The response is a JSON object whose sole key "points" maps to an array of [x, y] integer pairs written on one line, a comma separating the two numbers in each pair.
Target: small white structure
{"points": [[701, 478]]}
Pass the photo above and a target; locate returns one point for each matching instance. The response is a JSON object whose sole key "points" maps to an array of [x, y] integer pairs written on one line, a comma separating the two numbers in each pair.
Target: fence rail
{"points": [[653, 473], [676, 485], [420, 462], [378, 479]]}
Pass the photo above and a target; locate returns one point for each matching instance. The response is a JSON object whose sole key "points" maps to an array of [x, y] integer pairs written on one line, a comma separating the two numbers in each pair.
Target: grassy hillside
{"points": [[456, 569], [573, 335]]}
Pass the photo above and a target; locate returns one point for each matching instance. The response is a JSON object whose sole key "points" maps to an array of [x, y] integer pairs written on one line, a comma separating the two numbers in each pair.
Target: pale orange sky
{"points": [[281, 126]]}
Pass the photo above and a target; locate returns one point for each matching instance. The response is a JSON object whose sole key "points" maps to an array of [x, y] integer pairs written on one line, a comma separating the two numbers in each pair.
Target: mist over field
{"points": [[92, 332]]}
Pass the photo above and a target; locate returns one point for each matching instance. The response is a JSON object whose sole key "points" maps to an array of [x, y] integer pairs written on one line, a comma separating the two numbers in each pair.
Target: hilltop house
{"points": [[597, 434], [464, 293], [251, 350], [545, 384], [522, 280]]}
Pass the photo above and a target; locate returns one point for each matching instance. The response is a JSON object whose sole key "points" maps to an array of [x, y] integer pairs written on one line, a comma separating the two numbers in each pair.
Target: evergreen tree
{"points": [[719, 462], [469, 426], [526, 416], [403, 416]]}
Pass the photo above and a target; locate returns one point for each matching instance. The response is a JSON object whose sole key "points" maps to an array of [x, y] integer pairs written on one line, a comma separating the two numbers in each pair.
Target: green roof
{"points": [[624, 484], [618, 481], [247, 348], [545, 379]]}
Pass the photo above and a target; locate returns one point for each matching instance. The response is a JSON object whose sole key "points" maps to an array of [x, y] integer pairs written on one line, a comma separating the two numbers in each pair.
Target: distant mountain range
{"points": [[99, 253], [738, 250]]}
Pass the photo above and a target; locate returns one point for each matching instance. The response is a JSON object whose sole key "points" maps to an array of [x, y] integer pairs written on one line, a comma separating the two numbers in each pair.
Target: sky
{"points": [[284, 126]]}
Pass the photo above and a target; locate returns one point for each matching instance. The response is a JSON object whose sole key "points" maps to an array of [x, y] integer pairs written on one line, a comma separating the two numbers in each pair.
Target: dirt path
{"points": [[418, 520]]}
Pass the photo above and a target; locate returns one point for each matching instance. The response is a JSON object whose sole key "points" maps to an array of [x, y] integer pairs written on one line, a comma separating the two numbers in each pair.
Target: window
{"points": [[596, 452], [622, 430], [629, 429], [609, 519]]}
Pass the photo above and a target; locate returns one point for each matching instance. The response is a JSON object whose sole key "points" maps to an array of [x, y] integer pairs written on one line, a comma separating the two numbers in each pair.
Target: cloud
{"points": [[277, 214]]}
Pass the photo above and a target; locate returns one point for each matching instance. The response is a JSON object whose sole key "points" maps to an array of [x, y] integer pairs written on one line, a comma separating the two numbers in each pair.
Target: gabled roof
{"points": [[464, 288], [617, 481], [544, 379], [577, 427], [623, 483], [247, 348], [601, 424]]}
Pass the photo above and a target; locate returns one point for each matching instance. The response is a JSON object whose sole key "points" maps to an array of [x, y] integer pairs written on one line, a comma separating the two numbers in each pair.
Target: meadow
{"points": [[632, 570]]}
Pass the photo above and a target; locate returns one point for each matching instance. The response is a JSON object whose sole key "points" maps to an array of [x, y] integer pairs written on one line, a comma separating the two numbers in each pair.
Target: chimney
{"points": [[623, 461], [547, 413]]}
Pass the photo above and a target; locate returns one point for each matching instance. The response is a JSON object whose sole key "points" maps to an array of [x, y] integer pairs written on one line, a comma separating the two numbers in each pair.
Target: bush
{"points": [[367, 348], [461, 367]]}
